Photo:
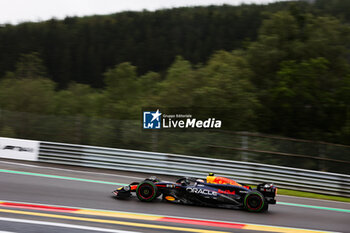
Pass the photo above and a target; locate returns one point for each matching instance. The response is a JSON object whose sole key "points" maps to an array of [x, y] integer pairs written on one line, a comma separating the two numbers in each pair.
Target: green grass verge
{"points": [[311, 195]]}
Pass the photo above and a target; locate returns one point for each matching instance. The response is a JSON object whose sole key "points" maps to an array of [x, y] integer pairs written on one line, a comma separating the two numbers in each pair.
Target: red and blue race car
{"points": [[213, 191]]}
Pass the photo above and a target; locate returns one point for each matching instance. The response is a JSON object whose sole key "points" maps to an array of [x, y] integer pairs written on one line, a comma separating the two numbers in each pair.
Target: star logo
{"points": [[152, 119], [156, 115]]}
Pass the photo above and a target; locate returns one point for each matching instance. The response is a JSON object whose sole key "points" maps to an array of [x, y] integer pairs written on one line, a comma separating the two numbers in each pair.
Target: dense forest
{"points": [[282, 68], [82, 49]]}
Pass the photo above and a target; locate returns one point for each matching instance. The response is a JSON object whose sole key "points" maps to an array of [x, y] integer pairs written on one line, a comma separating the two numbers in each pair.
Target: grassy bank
{"points": [[312, 195]]}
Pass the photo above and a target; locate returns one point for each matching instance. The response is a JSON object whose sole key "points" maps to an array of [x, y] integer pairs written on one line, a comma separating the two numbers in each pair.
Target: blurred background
{"points": [[282, 69]]}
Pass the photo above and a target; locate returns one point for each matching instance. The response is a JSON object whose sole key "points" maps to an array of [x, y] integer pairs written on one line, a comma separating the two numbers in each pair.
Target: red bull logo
{"points": [[227, 192]]}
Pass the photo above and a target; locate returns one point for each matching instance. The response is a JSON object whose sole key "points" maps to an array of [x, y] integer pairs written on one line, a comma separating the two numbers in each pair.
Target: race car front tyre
{"points": [[146, 191], [255, 202]]}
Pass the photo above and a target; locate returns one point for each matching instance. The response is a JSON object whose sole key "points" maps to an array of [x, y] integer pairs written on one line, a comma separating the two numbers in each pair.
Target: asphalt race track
{"points": [[37, 197]]}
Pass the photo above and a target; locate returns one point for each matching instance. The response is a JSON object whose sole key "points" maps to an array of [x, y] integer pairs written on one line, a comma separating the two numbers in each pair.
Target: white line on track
{"points": [[22, 164], [55, 224], [70, 170]]}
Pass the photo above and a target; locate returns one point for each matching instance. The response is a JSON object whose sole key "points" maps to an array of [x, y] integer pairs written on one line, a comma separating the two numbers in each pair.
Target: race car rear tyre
{"points": [[146, 191], [255, 202]]}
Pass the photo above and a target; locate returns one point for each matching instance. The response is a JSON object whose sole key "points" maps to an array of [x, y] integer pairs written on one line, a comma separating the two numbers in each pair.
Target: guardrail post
{"points": [[78, 129], [154, 141], [244, 155], [321, 152]]}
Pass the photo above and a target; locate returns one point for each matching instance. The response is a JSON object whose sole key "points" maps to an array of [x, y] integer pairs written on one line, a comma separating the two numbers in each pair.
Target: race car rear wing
{"points": [[269, 191]]}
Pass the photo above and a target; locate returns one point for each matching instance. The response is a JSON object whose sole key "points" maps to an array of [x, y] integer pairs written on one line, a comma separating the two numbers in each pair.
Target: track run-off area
{"points": [[37, 197]]}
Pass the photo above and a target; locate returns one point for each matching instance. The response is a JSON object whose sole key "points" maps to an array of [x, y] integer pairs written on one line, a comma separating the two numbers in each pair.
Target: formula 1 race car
{"points": [[214, 191]]}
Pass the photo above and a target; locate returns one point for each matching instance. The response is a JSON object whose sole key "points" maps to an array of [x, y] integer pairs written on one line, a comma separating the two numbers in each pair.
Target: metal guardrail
{"points": [[180, 165]]}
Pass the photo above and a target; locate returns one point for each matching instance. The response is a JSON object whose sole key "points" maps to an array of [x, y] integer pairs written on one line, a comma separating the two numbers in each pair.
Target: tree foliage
{"points": [[82, 49], [281, 68], [300, 65]]}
